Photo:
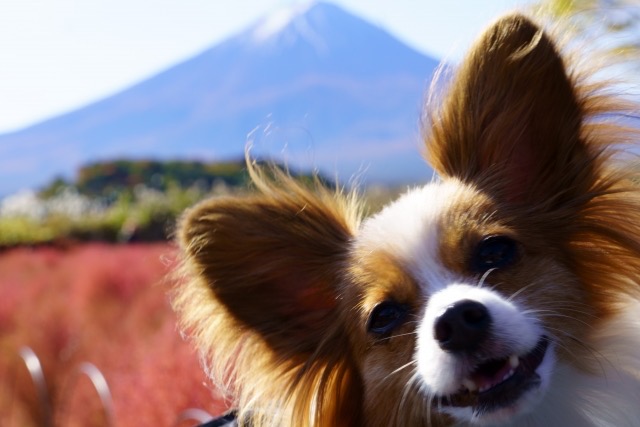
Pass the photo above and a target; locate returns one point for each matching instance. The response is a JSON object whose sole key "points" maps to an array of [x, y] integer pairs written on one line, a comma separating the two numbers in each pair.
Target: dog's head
{"points": [[456, 301]]}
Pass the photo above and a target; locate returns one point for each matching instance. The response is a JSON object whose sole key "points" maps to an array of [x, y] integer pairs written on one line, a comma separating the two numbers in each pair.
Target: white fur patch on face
{"points": [[410, 230]]}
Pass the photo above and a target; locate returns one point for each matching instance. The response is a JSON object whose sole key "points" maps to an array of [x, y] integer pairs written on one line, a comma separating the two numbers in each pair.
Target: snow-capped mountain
{"points": [[312, 84]]}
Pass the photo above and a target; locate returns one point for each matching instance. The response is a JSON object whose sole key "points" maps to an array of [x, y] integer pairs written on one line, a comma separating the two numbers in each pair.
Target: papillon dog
{"points": [[504, 293]]}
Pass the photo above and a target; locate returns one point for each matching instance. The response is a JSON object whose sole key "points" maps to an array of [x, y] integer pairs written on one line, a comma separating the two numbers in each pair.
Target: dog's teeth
{"points": [[470, 385], [514, 361], [508, 375]]}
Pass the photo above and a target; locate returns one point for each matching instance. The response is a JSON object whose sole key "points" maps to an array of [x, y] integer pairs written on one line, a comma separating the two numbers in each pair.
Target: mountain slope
{"points": [[319, 87]]}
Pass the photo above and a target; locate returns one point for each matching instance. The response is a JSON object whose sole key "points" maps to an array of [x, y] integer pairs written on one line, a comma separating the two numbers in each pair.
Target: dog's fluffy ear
{"points": [[272, 260], [510, 122]]}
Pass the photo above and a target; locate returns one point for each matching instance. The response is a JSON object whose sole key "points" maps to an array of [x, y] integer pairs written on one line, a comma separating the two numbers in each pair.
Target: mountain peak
{"points": [[279, 19], [310, 22]]}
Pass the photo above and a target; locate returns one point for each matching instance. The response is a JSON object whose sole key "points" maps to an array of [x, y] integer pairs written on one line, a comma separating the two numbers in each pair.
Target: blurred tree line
{"points": [[122, 200], [109, 179]]}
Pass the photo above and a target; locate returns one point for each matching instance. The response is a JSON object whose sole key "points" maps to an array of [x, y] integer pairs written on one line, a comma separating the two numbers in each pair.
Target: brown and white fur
{"points": [[505, 293]]}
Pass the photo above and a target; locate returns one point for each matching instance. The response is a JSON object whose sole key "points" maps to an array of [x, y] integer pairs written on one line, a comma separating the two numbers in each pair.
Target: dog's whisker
{"points": [[398, 336], [549, 313], [413, 362], [558, 307], [512, 297], [484, 277], [597, 356]]}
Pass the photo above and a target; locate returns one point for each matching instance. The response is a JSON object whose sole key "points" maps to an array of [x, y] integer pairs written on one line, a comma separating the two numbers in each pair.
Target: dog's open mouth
{"points": [[499, 383]]}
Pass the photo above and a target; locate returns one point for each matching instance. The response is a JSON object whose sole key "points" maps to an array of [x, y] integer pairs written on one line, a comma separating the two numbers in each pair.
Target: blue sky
{"points": [[57, 55]]}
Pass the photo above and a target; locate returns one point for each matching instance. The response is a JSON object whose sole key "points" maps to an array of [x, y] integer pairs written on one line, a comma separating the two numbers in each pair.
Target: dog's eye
{"points": [[385, 317], [494, 252]]}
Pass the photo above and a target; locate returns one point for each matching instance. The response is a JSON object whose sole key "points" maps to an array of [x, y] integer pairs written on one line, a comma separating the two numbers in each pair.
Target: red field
{"points": [[107, 305]]}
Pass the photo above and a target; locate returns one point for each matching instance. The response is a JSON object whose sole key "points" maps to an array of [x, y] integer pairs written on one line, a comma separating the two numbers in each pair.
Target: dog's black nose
{"points": [[462, 326]]}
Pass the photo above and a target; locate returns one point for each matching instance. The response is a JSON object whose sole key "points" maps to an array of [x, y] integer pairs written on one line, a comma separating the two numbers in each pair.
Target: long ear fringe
{"points": [[267, 388], [606, 235]]}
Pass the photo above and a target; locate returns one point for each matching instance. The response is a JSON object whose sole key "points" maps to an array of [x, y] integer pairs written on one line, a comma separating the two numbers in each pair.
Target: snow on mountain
{"points": [[275, 23]]}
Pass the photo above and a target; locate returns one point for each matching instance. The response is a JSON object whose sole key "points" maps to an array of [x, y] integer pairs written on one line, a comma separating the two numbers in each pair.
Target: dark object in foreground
{"points": [[226, 420]]}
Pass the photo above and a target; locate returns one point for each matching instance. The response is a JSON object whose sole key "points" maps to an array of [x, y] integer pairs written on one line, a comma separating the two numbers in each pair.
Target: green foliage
{"points": [[131, 201], [104, 179], [143, 215], [57, 186], [116, 201], [120, 201], [20, 230]]}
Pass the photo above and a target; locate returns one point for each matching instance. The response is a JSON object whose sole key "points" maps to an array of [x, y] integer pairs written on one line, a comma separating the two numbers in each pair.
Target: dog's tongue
{"points": [[490, 374]]}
